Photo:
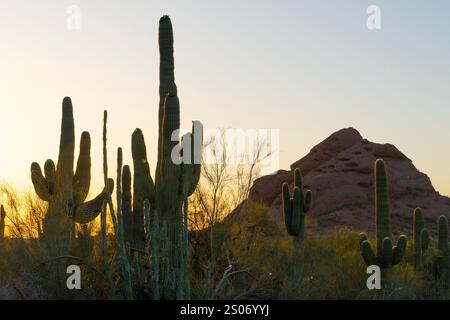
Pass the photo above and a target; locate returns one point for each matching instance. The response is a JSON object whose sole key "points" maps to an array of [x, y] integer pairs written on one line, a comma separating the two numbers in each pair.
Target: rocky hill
{"points": [[339, 171]]}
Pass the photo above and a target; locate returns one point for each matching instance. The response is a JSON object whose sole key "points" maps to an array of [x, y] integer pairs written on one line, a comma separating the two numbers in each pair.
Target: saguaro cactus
{"points": [[2, 221], [294, 208], [143, 186], [421, 238], [65, 191], [176, 177], [386, 255], [444, 251]]}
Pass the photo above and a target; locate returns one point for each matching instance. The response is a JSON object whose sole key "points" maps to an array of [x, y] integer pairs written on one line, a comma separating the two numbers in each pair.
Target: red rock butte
{"points": [[339, 172]]}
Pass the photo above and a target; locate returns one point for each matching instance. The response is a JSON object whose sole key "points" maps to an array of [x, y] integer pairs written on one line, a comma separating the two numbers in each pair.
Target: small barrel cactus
{"points": [[294, 208], [386, 255]]}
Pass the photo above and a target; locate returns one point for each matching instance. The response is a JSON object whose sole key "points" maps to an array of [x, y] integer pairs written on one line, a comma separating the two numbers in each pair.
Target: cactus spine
{"points": [[386, 255], [294, 208], [421, 238], [65, 191], [444, 251]]}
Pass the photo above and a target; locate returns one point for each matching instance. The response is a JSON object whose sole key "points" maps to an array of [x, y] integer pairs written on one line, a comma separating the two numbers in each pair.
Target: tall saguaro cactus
{"points": [[421, 238], [294, 208], [64, 190], [386, 255], [176, 177]]}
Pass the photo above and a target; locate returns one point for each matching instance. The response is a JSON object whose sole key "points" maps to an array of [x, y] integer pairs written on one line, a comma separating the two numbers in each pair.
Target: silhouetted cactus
{"points": [[65, 191], [386, 255], [2, 221], [421, 238], [143, 187], [443, 260], [176, 177], [294, 208]]}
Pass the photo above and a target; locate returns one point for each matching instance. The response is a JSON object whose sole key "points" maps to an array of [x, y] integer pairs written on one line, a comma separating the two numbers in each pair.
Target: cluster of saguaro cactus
{"points": [[64, 190], [175, 178], [2, 221], [160, 206], [386, 255], [421, 238], [294, 208], [443, 261], [143, 188]]}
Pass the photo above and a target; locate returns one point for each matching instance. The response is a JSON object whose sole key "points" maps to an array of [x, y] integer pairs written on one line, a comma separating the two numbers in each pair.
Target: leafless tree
{"points": [[225, 184]]}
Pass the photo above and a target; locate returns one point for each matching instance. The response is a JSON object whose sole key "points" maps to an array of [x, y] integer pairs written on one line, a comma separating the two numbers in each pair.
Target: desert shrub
{"points": [[247, 255]]}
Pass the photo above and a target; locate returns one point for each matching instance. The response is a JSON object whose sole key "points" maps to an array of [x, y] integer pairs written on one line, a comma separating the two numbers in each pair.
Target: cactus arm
{"points": [[193, 169], [39, 182], [424, 239], [297, 212], [141, 166], [66, 144], [368, 254], [287, 207], [89, 210], [385, 257], [82, 178], [399, 250], [143, 185], [126, 204], [50, 175], [362, 237], [381, 203]]}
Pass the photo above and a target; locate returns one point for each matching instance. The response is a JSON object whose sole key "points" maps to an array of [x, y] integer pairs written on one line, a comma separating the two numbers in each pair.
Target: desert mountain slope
{"points": [[339, 171]]}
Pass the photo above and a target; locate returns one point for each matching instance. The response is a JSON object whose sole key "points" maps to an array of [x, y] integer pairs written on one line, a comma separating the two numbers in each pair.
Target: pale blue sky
{"points": [[308, 68]]}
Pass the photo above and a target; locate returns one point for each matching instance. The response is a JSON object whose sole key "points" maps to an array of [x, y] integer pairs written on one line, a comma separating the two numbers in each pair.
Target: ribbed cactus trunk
{"points": [[294, 208], [143, 187], [175, 178], [167, 177], [126, 205], [421, 239], [64, 190], [381, 205], [386, 255]]}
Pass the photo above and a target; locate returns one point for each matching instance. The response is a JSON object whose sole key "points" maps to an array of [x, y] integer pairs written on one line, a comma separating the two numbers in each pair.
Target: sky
{"points": [[307, 68]]}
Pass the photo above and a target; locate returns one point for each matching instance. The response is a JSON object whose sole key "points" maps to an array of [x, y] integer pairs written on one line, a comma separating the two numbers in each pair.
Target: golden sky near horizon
{"points": [[305, 68]]}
